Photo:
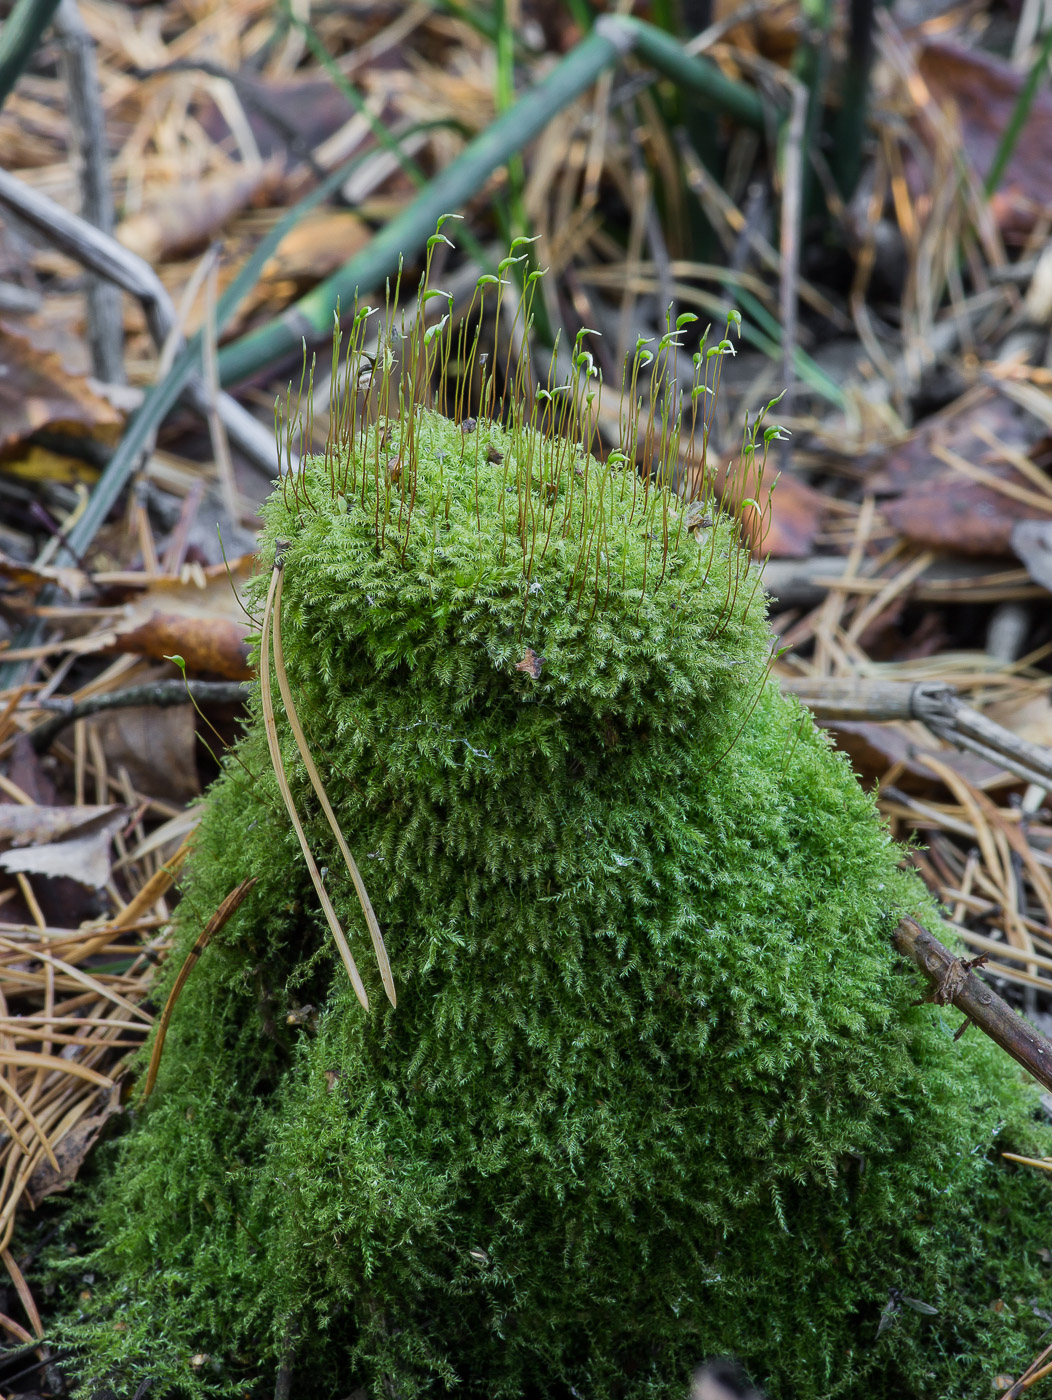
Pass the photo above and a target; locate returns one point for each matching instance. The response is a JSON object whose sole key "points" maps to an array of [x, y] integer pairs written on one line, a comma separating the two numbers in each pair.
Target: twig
{"points": [[791, 221], [805, 582], [933, 703], [103, 255], [159, 693], [91, 158], [954, 982]]}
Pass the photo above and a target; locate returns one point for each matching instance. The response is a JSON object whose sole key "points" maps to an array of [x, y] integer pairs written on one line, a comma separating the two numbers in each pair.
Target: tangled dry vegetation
{"points": [[910, 532]]}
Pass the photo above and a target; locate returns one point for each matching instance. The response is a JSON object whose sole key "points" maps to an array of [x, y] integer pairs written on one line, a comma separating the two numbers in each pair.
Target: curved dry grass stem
{"points": [[312, 772], [270, 725], [215, 923], [6, 1087], [25, 1296]]}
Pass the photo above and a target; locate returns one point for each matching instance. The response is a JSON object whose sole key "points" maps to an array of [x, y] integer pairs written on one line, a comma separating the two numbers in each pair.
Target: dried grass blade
{"points": [[270, 725], [966, 798], [1022, 463], [1044, 1163], [13, 1131], [1039, 501], [6, 1087], [312, 772], [31, 1059], [22, 1289], [16, 1329], [215, 923], [157, 885], [85, 980]]}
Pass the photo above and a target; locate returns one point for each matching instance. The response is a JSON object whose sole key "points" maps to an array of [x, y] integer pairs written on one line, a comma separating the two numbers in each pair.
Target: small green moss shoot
{"points": [[655, 1088]]}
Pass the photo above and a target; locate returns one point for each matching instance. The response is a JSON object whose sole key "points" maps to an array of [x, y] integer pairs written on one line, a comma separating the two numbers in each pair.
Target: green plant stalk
{"points": [[512, 210], [1020, 112], [19, 37], [582, 13], [383, 137], [766, 336], [482, 21], [163, 396], [504, 101], [699, 75], [353, 96], [810, 65], [407, 233], [848, 125]]}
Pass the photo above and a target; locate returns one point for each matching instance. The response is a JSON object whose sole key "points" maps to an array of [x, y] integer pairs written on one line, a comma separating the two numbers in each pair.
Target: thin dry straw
{"points": [[301, 743], [215, 923], [270, 725]]}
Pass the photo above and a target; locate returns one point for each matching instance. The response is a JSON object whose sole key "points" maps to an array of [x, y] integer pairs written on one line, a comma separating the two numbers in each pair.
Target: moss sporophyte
{"points": [[654, 1087]]}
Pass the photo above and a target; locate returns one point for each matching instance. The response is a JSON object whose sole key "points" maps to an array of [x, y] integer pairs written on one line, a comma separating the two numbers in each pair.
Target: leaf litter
{"points": [[907, 540]]}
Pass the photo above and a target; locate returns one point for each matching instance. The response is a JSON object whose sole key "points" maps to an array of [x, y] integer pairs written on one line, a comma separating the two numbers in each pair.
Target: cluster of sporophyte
{"points": [[647, 1084]]}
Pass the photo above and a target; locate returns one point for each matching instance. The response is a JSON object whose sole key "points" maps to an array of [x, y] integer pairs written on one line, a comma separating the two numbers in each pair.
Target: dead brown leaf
{"points": [[195, 616], [27, 826], [874, 748], [317, 246], [156, 747], [32, 578], [310, 108], [182, 221], [531, 663], [36, 391], [60, 842], [935, 504], [788, 529], [981, 91], [1032, 542], [213, 644], [71, 1152]]}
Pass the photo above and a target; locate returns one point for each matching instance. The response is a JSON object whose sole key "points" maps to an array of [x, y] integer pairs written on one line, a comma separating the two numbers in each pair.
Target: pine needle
{"points": [[270, 725], [215, 923], [312, 772]]}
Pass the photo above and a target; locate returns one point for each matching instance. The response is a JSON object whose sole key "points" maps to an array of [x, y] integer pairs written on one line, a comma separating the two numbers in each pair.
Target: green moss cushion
{"points": [[655, 1087]]}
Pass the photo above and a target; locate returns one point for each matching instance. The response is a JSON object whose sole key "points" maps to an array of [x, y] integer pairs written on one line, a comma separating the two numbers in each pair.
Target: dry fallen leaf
{"points": [[531, 663], [788, 529], [980, 91], [180, 221], [1028, 719], [36, 391], [1032, 543], [28, 826], [71, 1152], [156, 747], [196, 617], [32, 578], [934, 501], [60, 842]]}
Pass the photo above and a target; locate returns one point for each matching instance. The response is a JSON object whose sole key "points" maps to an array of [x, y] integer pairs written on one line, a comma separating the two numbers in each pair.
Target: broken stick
{"points": [[955, 982]]}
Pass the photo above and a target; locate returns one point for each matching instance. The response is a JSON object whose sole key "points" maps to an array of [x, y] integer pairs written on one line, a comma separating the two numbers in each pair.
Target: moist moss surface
{"points": [[655, 1087]]}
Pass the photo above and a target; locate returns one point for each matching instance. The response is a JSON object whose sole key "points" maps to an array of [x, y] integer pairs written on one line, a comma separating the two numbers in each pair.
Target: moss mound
{"points": [[654, 1088]]}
